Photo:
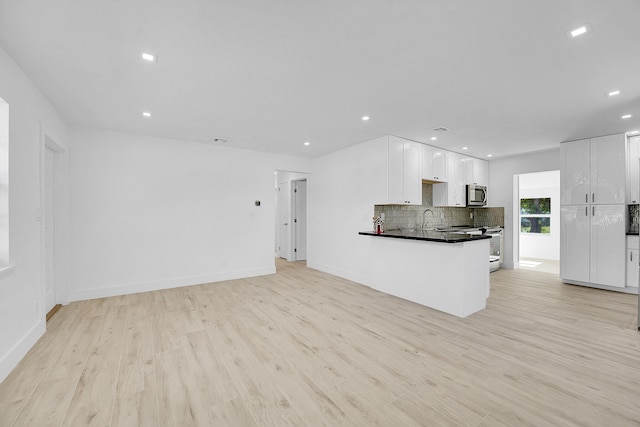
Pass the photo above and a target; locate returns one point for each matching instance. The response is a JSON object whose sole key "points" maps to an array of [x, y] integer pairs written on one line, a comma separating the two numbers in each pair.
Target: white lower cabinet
{"points": [[633, 246], [592, 244]]}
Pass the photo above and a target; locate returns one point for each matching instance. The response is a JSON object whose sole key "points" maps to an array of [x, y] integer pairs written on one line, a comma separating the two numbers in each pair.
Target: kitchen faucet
{"points": [[424, 222]]}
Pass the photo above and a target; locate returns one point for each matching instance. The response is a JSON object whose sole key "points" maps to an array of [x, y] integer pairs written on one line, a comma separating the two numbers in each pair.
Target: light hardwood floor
{"points": [[306, 348]]}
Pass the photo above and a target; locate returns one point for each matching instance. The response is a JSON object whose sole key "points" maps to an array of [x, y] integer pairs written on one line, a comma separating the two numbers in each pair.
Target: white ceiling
{"points": [[269, 75]]}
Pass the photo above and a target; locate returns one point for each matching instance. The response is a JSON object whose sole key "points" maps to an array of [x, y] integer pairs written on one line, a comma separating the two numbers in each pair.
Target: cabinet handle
{"points": [[593, 197], [586, 197], [586, 211], [593, 211], [631, 256]]}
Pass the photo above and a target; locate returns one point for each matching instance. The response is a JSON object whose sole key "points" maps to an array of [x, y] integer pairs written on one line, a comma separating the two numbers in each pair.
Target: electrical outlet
{"points": [[382, 216], [471, 215]]}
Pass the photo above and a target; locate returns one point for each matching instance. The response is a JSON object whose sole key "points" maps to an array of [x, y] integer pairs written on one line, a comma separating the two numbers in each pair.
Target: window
{"points": [[535, 215]]}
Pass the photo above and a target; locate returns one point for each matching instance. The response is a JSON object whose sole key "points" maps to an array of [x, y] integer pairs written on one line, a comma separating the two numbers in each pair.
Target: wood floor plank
{"points": [[136, 410], [302, 347]]}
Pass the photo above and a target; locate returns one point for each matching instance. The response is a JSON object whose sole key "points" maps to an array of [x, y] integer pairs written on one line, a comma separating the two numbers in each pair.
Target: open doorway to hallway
{"points": [[539, 221], [291, 215]]}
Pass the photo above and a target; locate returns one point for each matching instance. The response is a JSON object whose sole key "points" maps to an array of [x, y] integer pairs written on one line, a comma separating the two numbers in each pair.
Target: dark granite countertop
{"points": [[632, 233], [428, 236]]}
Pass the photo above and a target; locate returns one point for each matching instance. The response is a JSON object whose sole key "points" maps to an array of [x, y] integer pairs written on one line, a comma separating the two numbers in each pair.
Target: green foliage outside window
{"points": [[535, 215]]}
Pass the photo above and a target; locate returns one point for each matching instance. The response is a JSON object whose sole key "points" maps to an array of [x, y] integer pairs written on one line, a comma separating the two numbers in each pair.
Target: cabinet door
{"points": [[396, 171], [480, 172], [575, 172], [440, 164], [433, 163], [456, 180], [412, 181], [632, 268], [608, 170], [574, 242], [633, 169], [607, 245]]}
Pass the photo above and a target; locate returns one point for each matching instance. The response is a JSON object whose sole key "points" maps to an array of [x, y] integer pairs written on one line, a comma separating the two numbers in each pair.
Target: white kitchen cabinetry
{"points": [[476, 171], [633, 246], [633, 170], [405, 181], [592, 244], [451, 193], [593, 171], [434, 163], [592, 215]]}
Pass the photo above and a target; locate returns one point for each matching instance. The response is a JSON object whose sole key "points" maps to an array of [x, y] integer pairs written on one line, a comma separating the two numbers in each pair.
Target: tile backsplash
{"points": [[410, 217]]}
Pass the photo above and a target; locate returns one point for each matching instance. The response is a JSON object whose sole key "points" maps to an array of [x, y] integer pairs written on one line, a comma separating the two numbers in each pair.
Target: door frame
{"points": [[49, 139], [294, 210]]}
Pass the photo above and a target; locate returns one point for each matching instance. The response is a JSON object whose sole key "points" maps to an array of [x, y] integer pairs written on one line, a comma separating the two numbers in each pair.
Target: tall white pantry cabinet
{"points": [[592, 212]]}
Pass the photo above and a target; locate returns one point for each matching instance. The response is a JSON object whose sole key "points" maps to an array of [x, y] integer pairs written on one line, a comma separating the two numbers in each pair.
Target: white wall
{"points": [[22, 317], [542, 184], [501, 175], [343, 190], [151, 213]]}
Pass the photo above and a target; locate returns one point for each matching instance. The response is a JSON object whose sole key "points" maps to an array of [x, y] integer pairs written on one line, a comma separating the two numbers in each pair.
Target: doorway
{"points": [[48, 222], [539, 221], [291, 215]]}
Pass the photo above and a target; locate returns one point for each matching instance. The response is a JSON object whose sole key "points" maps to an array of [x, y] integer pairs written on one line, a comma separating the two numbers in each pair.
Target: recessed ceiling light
{"points": [[579, 31], [633, 132], [626, 116], [465, 148], [613, 93], [307, 143], [365, 118], [433, 138], [146, 114], [149, 57], [489, 155]]}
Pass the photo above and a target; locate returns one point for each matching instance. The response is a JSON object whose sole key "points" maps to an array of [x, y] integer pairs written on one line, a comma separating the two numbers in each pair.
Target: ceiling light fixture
{"points": [[365, 118], [150, 57], [433, 138], [307, 143], [626, 116], [465, 148], [634, 132], [579, 31], [146, 114], [613, 93], [489, 155]]}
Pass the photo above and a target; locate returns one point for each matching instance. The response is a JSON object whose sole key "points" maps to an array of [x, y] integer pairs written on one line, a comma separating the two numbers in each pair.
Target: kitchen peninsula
{"points": [[442, 270]]}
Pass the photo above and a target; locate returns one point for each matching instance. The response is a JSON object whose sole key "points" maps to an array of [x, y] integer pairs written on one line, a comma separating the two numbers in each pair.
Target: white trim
{"points": [[134, 288], [6, 271], [626, 290], [340, 272], [15, 354]]}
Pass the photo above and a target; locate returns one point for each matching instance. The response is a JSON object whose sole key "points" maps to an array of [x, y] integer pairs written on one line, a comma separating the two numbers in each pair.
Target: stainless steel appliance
{"points": [[476, 195], [495, 248]]}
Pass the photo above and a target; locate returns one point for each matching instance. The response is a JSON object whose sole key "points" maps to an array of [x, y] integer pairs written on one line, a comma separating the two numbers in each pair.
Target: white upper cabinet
{"points": [[633, 170], [575, 172], [608, 169], [476, 171], [405, 182], [434, 163], [593, 171], [453, 192]]}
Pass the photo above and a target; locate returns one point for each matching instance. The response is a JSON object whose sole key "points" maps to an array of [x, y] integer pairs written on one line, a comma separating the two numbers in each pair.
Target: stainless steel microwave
{"points": [[476, 195]]}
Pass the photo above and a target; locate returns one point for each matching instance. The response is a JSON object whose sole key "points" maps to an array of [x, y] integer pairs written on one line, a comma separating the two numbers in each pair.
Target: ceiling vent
{"points": [[441, 129], [219, 140]]}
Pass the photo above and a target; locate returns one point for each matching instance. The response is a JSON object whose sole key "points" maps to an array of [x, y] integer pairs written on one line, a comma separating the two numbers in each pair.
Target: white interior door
{"points": [[284, 219], [300, 219], [49, 243]]}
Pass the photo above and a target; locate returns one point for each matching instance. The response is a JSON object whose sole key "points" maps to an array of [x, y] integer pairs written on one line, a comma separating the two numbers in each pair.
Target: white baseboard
{"points": [[15, 354], [340, 272], [134, 288]]}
